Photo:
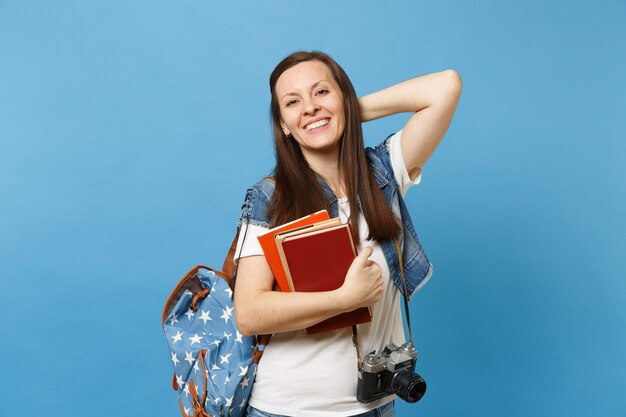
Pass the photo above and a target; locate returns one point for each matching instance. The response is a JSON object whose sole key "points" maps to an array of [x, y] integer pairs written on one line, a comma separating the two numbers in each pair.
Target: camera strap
{"points": [[355, 342], [355, 334], [404, 293]]}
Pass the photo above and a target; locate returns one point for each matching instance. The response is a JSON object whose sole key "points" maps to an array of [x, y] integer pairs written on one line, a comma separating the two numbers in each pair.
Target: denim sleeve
{"points": [[258, 197]]}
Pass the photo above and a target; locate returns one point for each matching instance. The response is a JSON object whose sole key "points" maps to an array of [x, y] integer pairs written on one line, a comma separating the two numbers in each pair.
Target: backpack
{"points": [[214, 364]]}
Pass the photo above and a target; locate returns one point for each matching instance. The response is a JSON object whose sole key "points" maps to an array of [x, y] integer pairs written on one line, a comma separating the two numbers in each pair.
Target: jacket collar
{"points": [[332, 198]]}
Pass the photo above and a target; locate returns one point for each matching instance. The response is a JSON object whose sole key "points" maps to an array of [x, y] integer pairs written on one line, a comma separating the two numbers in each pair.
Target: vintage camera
{"points": [[391, 372]]}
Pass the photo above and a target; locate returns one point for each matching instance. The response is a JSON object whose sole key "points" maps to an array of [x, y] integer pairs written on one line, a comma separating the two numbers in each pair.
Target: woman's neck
{"points": [[327, 166]]}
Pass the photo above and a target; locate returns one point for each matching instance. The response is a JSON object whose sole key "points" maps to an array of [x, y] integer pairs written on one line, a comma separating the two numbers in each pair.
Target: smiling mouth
{"points": [[316, 124]]}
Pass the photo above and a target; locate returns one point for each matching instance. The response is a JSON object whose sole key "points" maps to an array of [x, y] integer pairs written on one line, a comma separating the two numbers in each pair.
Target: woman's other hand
{"points": [[432, 98]]}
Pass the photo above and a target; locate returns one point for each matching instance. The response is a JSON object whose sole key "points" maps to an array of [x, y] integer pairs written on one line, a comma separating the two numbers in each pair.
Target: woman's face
{"points": [[311, 107]]}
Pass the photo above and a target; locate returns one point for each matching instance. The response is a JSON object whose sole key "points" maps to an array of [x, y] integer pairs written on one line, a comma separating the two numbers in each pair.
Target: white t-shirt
{"points": [[316, 375]]}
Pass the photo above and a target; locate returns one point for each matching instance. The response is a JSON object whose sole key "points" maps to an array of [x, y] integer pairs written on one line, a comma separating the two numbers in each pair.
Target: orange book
{"points": [[268, 244], [317, 259]]}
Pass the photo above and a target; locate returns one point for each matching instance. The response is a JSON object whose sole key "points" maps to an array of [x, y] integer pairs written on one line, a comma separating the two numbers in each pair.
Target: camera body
{"points": [[391, 372]]}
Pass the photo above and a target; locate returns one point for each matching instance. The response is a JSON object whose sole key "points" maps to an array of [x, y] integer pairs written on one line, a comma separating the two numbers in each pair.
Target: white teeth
{"points": [[319, 123]]}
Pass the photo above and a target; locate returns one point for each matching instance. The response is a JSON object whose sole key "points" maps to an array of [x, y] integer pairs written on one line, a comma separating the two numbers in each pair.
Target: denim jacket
{"points": [[417, 268]]}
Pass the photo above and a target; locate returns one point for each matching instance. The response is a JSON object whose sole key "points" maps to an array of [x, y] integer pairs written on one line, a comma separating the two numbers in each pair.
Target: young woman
{"points": [[321, 163]]}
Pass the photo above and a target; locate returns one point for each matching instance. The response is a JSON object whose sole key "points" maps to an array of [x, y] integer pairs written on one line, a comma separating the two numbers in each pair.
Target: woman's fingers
{"points": [[363, 285]]}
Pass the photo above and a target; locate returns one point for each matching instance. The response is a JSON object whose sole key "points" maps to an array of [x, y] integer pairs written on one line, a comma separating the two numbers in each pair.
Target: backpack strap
{"points": [[198, 403], [229, 267], [261, 341]]}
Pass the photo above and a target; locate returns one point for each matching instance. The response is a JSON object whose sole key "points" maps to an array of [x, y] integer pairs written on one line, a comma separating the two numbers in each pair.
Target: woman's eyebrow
{"points": [[312, 87]]}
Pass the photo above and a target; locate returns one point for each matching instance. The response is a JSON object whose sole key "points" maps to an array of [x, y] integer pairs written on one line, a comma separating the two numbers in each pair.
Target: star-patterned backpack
{"points": [[214, 365]]}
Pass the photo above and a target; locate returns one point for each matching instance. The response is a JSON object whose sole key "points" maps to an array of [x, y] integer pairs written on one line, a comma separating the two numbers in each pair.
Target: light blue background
{"points": [[129, 131]]}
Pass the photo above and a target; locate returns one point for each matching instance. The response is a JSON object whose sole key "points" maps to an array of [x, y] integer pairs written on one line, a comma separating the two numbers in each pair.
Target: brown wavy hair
{"points": [[298, 191]]}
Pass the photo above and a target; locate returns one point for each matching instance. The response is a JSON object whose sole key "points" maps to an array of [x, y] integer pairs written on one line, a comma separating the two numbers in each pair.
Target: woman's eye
{"points": [[322, 92], [291, 102]]}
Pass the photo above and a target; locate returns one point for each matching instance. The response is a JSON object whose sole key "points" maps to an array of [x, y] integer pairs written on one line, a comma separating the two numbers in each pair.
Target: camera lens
{"points": [[408, 386]]}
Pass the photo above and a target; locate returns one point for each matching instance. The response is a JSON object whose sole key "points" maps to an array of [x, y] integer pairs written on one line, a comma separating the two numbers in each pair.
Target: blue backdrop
{"points": [[130, 130]]}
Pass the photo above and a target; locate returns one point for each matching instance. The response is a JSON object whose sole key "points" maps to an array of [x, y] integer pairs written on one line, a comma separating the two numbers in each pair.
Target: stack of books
{"points": [[313, 254]]}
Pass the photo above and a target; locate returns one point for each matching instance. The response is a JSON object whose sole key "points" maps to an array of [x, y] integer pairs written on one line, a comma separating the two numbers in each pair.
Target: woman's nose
{"points": [[310, 106]]}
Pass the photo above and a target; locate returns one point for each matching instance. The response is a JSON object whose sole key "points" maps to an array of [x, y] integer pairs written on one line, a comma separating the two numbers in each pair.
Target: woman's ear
{"points": [[284, 127]]}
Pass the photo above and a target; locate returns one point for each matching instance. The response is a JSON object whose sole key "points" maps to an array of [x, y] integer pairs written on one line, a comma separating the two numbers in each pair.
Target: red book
{"points": [[318, 260], [268, 244]]}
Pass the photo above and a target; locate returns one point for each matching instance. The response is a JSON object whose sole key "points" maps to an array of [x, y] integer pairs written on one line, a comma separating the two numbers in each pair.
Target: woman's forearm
{"points": [[260, 310], [408, 96], [275, 311]]}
